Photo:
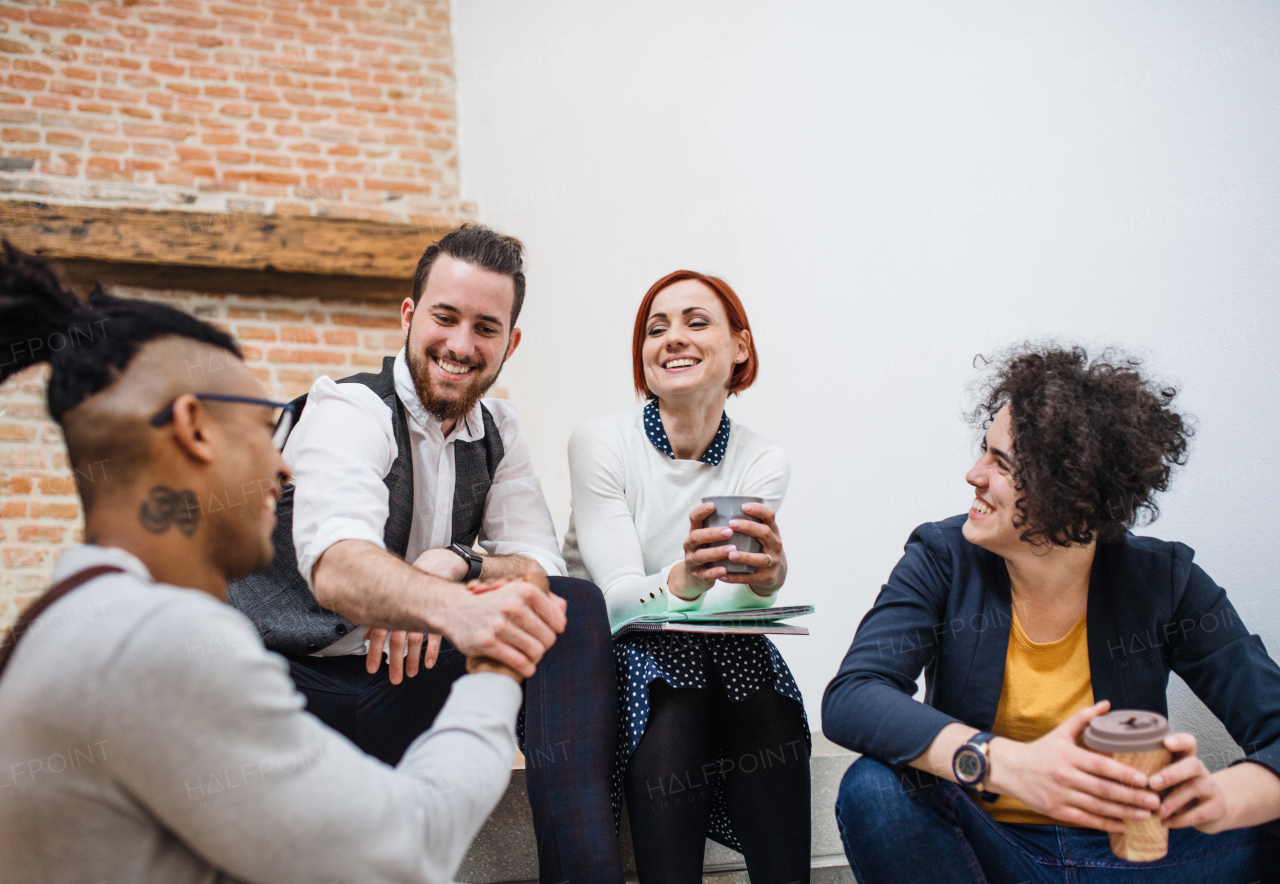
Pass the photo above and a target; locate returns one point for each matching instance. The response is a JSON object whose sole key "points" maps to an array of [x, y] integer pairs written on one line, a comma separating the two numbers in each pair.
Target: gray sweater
{"points": [[147, 736]]}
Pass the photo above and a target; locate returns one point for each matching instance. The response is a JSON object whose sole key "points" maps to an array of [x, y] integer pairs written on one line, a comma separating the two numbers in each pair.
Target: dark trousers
{"points": [[570, 730], [696, 738], [910, 827]]}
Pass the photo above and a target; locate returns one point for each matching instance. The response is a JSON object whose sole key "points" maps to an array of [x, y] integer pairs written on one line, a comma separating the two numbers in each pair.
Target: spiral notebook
{"points": [[754, 621]]}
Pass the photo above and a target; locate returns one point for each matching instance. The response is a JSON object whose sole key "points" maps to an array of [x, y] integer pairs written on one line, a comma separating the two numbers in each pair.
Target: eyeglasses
{"points": [[283, 426]]}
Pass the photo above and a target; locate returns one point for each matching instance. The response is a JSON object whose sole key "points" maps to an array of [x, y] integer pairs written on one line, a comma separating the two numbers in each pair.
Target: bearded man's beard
{"points": [[443, 407]]}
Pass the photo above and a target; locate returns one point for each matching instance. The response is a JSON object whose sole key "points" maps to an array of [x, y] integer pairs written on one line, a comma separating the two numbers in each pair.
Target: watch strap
{"points": [[474, 562], [981, 739]]}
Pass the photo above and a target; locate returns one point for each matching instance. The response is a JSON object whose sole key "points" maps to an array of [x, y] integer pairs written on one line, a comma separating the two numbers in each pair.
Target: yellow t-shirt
{"points": [[1044, 685]]}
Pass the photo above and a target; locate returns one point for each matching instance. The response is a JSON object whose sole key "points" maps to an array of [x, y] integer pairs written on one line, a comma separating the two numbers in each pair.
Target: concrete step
{"points": [[505, 851]]}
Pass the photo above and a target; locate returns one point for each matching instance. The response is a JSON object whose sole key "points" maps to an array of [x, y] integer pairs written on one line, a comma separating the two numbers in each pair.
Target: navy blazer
{"points": [[947, 609]]}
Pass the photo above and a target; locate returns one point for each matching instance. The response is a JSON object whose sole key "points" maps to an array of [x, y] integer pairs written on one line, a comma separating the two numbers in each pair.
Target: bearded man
{"points": [[412, 466]]}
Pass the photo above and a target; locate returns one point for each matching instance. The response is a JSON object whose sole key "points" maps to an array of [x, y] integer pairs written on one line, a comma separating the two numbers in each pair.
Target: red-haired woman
{"points": [[713, 740]]}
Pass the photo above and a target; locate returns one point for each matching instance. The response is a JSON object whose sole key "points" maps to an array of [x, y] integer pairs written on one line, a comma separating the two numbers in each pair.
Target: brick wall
{"points": [[341, 108], [324, 107], [287, 343]]}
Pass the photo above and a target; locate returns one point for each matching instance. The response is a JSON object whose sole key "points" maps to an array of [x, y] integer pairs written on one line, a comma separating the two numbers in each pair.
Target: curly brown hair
{"points": [[1093, 440]]}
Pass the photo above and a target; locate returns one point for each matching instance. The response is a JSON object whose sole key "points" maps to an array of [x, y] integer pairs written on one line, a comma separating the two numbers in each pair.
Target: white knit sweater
{"points": [[631, 508]]}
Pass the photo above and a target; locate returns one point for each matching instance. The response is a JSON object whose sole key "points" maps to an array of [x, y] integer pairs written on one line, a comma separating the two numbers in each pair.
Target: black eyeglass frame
{"points": [[284, 426]]}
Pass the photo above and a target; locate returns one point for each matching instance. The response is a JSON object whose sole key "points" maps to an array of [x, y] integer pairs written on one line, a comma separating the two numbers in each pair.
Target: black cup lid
{"points": [[1126, 730]]}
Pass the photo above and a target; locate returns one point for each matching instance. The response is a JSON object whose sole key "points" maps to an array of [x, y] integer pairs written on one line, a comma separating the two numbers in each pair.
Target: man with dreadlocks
{"points": [[146, 735]]}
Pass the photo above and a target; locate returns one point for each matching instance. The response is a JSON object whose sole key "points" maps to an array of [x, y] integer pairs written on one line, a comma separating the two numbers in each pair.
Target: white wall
{"points": [[892, 188]]}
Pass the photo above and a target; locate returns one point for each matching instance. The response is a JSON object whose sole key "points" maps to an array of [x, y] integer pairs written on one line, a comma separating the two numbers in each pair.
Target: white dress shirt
{"points": [[147, 736], [631, 507], [344, 446]]}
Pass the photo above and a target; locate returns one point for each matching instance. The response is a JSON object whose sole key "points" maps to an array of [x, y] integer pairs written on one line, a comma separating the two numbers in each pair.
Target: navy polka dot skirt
{"points": [[745, 663]]}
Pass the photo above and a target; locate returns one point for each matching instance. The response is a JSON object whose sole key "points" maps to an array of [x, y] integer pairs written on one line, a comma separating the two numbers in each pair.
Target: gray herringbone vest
{"points": [[278, 600]]}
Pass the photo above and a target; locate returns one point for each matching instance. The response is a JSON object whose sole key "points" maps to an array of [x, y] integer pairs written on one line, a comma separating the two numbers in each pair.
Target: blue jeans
{"points": [[911, 827]]}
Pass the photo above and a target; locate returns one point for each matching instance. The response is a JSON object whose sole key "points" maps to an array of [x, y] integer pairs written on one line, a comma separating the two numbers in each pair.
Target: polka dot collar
{"points": [[658, 436]]}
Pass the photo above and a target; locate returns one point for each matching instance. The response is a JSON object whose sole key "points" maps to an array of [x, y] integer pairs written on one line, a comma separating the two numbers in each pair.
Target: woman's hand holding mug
{"points": [[706, 550], [1193, 797], [771, 562], [695, 575], [1110, 789], [1055, 776]]}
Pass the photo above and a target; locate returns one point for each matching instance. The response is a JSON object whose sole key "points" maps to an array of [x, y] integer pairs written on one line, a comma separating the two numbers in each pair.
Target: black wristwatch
{"points": [[971, 764], [474, 562]]}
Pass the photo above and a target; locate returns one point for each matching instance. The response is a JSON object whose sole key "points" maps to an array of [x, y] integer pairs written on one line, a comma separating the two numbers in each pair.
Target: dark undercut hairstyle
{"points": [[483, 247], [87, 345], [1094, 440]]}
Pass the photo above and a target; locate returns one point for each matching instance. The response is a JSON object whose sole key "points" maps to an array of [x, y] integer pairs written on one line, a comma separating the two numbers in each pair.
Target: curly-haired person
{"points": [[1031, 615]]}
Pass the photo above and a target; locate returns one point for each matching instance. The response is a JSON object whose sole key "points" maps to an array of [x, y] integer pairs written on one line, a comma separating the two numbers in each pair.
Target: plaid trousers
{"points": [[570, 738]]}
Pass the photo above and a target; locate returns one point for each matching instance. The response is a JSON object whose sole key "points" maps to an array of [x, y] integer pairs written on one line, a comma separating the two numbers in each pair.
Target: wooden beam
{"points": [[246, 242], [81, 275]]}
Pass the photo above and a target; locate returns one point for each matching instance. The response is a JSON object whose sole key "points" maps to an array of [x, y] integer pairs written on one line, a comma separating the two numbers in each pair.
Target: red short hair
{"points": [[744, 373]]}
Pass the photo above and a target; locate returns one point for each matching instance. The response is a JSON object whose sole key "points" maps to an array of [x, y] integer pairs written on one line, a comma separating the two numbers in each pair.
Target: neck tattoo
{"points": [[165, 508]]}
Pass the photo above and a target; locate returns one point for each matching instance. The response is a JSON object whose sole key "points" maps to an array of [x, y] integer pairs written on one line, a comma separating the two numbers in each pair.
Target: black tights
{"points": [[766, 783]]}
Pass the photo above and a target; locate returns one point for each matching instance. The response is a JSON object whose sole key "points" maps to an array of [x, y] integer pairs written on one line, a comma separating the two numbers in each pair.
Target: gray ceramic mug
{"points": [[729, 506]]}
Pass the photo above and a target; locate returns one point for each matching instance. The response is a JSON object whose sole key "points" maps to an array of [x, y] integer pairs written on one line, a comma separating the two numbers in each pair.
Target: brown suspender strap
{"points": [[38, 607]]}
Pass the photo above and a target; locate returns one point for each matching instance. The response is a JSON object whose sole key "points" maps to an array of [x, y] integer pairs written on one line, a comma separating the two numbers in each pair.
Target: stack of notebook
{"points": [[754, 621]]}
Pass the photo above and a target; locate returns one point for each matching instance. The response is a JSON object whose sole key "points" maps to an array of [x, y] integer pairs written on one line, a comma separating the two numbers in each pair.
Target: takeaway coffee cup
{"points": [[1134, 738], [729, 506]]}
